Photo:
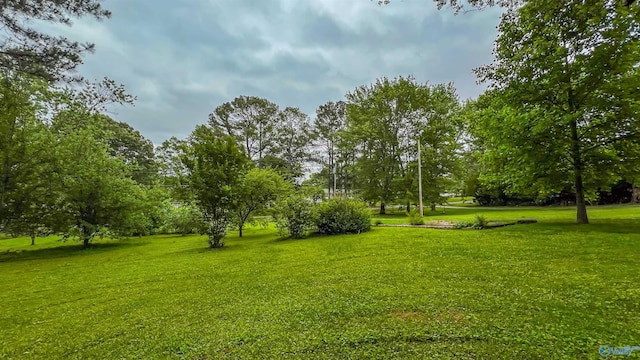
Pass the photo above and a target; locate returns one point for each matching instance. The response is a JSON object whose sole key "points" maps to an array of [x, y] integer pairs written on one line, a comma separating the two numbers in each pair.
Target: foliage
{"points": [[342, 215], [215, 168], [479, 222], [330, 122], [295, 216], [172, 170], [27, 50], [385, 122], [251, 121], [182, 219], [561, 111], [123, 140], [414, 217], [258, 190], [25, 156], [294, 137], [94, 189]]}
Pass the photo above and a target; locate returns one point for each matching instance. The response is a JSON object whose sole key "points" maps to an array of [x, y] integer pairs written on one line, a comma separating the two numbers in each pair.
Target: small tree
{"points": [[258, 190], [295, 215], [216, 167]]}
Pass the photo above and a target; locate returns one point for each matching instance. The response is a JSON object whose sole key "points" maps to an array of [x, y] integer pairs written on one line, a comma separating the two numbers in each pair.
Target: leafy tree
{"points": [[295, 215], [331, 120], [172, 170], [96, 194], [251, 121], [123, 140], [25, 155], [386, 122], [294, 137], [564, 107], [215, 168], [26, 50], [259, 189]]}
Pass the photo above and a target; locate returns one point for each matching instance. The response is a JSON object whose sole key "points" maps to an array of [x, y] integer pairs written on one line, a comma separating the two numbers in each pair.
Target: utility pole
{"points": [[420, 179]]}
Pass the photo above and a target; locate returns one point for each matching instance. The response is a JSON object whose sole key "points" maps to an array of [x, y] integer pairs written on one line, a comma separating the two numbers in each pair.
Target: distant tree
{"points": [[215, 170], [172, 170], [258, 190], [563, 109], [294, 137], [251, 121], [331, 120], [26, 50], [386, 120]]}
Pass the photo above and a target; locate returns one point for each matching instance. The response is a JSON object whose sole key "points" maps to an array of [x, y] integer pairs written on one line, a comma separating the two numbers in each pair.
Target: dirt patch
{"points": [[452, 316], [409, 315]]}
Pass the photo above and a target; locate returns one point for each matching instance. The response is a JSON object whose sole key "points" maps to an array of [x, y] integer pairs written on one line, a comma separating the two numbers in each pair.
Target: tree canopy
{"points": [[563, 109]]}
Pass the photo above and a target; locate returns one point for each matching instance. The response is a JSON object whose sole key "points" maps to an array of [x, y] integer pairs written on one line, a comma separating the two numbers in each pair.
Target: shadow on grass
{"points": [[65, 250], [599, 226]]}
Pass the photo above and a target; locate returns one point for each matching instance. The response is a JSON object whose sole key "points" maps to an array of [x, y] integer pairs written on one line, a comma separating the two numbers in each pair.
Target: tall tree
{"points": [[385, 123], [564, 106], [26, 50], [25, 155], [215, 168], [172, 170], [294, 137], [331, 119], [251, 121]]}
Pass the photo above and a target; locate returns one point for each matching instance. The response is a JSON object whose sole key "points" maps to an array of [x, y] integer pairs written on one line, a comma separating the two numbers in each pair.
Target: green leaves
{"points": [[215, 168], [563, 106], [385, 122]]}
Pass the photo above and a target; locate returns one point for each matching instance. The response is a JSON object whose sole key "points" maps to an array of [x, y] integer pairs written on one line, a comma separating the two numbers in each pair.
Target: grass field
{"points": [[546, 290]]}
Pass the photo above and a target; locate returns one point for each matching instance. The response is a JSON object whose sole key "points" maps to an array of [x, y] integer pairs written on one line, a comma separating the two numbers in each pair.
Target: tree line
{"points": [[560, 116]]}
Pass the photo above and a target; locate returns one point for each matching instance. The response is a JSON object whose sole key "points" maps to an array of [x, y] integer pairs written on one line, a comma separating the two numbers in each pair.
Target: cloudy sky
{"points": [[184, 58]]}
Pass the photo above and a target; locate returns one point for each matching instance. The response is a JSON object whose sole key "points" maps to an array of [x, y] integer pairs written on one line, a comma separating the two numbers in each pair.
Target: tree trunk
{"points": [[383, 210], [408, 207], [578, 166], [240, 230], [581, 204], [33, 240], [85, 242], [433, 207]]}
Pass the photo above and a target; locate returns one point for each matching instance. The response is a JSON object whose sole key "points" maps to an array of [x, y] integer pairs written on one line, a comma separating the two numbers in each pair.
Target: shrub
{"points": [[343, 215], [295, 216], [481, 222], [414, 217]]}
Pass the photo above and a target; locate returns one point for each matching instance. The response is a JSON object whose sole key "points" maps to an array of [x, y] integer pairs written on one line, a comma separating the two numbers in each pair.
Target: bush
{"points": [[295, 216], [343, 215], [414, 217], [481, 222]]}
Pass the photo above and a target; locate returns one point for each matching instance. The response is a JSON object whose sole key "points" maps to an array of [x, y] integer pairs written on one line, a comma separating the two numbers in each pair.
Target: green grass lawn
{"points": [[546, 290]]}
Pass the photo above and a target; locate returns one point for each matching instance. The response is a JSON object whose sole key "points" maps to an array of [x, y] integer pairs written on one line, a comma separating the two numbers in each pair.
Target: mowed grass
{"points": [[546, 290]]}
